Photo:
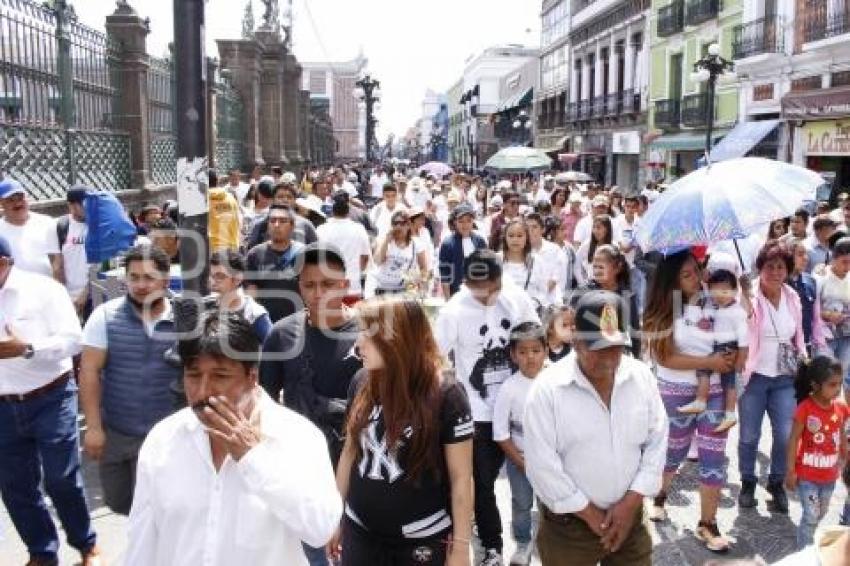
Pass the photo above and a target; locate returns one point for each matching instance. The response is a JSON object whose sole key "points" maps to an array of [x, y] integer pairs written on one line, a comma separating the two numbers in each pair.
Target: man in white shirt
{"points": [[72, 231], [39, 438], [35, 245], [236, 187], [475, 326], [351, 239], [595, 397], [415, 194], [377, 181], [342, 184], [598, 207], [233, 478], [382, 214]]}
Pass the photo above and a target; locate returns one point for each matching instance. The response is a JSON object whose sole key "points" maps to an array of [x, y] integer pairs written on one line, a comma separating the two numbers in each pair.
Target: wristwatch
{"points": [[29, 352]]}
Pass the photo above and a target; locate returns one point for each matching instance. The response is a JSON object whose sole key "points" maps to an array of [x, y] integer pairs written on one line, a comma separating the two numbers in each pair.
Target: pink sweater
{"points": [[758, 317]]}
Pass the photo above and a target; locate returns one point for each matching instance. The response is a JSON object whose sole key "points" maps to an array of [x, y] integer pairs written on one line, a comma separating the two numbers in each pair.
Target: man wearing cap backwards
{"points": [[72, 230], [457, 247], [32, 236], [592, 498], [39, 439]]}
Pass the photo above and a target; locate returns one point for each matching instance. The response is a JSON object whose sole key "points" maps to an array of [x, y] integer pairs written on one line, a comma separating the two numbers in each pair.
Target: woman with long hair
{"points": [[397, 257], [559, 201], [405, 472], [556, 232], [678, 326], [602, 233], [778, 228], [521, 265]]}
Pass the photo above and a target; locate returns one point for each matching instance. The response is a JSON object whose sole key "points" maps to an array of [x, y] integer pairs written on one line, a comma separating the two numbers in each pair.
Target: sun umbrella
{"points": [[725, 201], [436, 168], [518, 160], [573, 176]]}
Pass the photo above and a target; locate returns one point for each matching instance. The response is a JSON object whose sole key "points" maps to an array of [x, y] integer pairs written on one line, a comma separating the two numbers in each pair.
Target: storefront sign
{"points": [[626, 142], [830, 137], [814, 104]]}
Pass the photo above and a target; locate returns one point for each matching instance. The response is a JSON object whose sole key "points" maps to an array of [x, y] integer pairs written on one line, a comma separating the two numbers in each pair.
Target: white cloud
{"points": [[411, 45]]}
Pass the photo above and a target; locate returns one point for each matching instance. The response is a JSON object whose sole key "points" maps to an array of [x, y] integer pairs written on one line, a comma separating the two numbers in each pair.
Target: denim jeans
{"points": [[522, 500], [814, 499], [841, 351], [39, 440], [774, 395]]}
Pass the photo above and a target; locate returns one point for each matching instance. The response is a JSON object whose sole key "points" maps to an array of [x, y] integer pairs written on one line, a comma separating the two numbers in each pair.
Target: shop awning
{"points": [[521, 98], [817, 104], [742, 138], [684, 141]]}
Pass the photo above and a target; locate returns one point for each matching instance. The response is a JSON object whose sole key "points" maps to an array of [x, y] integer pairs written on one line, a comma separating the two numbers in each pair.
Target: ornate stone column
{"points": [[292, 108], [243, 59]]}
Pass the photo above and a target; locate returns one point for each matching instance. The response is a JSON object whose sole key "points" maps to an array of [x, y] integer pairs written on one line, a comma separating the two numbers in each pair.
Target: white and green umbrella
{"points": [[518, 160]]}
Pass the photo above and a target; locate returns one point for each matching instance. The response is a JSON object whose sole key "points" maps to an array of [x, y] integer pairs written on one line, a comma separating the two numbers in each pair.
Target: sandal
{"points": [[708, 533], [658, 513]]}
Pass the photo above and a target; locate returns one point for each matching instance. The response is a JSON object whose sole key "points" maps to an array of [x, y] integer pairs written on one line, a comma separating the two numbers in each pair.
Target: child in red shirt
{"points": [[818, 445]]}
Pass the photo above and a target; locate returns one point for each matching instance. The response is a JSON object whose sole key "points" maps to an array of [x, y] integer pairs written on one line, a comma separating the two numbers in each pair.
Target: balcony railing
{"points": [[572, 111], [822, 23], [671, 18], [693, 109], [598, 107], [667, 114], [583, 109], [631, 101], [614, 104], [763, 35], [701, 11]]}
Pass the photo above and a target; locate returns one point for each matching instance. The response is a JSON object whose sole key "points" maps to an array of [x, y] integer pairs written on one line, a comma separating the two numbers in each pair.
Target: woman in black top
{"points": [[405, 473]]}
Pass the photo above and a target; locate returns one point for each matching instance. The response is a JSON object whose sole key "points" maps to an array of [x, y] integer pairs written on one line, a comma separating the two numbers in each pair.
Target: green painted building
{"points": [[682, 30]]}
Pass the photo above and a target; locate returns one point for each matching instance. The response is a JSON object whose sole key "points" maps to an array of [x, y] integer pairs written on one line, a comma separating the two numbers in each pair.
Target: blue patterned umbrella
{"points": [[725, 201]]}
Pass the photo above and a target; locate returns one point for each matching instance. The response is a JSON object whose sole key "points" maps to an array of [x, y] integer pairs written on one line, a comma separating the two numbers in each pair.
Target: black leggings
{"points": [[359, 548]]}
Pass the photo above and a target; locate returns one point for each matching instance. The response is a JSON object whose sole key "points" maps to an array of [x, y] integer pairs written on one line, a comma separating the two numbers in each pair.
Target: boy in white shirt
{"points": [[528, 352]]}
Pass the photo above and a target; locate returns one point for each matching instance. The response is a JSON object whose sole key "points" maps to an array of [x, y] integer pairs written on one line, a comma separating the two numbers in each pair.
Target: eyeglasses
{"points": [[280, 221]]}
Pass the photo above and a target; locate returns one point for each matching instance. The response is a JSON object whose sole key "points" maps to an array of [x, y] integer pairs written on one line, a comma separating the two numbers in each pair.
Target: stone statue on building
{"points": [[248, 21], [271, 17]]}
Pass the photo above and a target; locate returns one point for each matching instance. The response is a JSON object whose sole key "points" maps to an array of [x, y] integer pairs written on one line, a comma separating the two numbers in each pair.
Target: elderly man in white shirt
{"points": [[596, 439], [234, 478], [39, 438]]}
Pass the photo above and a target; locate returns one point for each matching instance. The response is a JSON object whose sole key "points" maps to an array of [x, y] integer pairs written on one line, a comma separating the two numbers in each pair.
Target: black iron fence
{"points": [[825, 20], [57, 93], [667, 114], [671, 18], [694, 108], [763, 35], [701, 11]]}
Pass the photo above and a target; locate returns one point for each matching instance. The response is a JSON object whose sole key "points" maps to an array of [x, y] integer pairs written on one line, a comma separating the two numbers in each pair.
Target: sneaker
{"points": [[708, 533], [729, 420], [779, 503], [747, 497], [658, 513], [492, 557], [693, 408], [522, 554]]}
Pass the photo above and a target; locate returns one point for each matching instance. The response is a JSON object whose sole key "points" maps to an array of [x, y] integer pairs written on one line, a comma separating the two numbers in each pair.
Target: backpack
{"points": [[110, 229]]}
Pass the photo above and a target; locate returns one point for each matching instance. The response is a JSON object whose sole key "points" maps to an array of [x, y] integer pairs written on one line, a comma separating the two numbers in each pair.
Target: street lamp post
{"points": [[368, 91], [708, 69], [522, 124]]}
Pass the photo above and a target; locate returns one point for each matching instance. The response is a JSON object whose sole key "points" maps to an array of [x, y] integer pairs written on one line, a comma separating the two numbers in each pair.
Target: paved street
{"points": [[757, 532]]}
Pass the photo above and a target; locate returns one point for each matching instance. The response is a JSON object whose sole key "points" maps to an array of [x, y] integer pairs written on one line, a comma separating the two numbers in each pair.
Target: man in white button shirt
{"points": [[595, 444], [234, 478], [39, 439]]}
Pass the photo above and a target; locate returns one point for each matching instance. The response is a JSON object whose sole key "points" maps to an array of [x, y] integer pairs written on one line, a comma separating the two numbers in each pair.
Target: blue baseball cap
{"points": [[9, 187], [5, 247]]}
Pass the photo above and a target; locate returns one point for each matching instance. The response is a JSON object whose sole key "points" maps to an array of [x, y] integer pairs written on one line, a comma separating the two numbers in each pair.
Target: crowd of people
{"points": [[378, 345]]}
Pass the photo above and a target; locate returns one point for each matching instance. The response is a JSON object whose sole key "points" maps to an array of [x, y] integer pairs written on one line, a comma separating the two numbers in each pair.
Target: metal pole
{"points": [[65, 71], [709, 114], [190, 111]]}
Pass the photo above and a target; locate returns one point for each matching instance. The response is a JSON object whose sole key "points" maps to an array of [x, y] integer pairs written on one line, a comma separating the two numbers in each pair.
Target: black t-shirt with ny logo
{"points": [[382, 498]]}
